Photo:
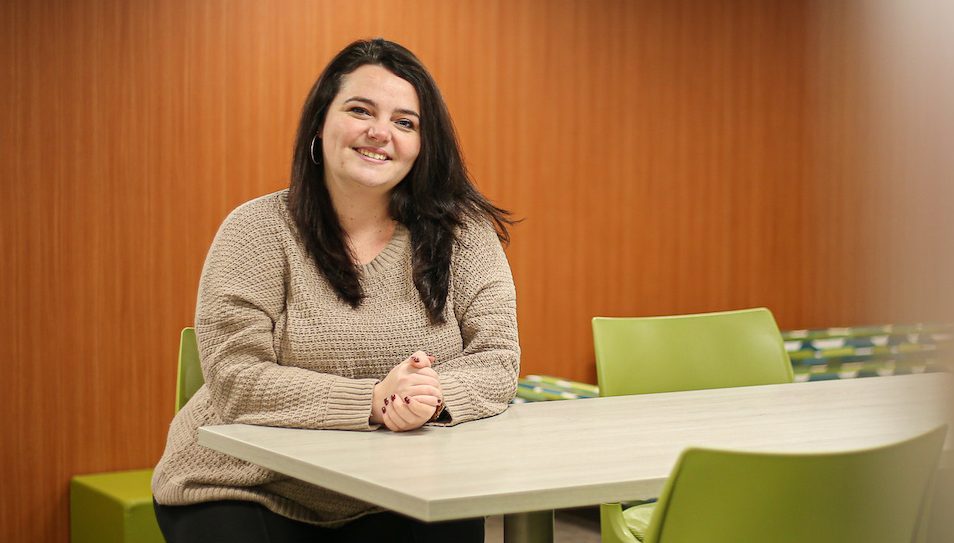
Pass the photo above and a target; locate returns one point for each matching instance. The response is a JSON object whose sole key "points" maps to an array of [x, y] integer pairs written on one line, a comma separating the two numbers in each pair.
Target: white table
{"points": [[542, 456]]}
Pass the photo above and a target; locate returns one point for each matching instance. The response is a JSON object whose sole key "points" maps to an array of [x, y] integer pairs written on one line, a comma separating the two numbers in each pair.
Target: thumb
{"points": [[420, 359]]}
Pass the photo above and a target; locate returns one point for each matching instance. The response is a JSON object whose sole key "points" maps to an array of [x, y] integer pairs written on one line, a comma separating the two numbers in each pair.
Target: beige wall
{"points": [[666, 157], [882, 175]]}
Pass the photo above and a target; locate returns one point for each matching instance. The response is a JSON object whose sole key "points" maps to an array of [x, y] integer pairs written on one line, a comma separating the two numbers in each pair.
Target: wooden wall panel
{"points": [[662, 156], [666, 142]]}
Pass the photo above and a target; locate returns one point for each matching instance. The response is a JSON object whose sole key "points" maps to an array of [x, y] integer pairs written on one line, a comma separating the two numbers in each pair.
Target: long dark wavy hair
{"points": [[432, 201]]}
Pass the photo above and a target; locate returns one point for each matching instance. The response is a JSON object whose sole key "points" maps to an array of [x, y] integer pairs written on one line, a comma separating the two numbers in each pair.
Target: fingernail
{"points": [[407, 400], [384, 409], [438, 401], [416, 359], [393, 397], [385, 401]]}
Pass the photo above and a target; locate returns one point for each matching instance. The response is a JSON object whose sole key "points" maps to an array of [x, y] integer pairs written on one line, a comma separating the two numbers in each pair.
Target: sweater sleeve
{"points": [[241, 296], [483, 379]]}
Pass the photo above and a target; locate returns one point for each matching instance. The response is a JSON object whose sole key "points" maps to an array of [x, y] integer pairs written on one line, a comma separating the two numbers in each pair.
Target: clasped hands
{"points": [[409, 395]]}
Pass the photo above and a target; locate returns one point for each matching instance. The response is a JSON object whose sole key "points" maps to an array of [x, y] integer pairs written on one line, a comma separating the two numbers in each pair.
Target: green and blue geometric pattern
{"points": [[868, 351]]}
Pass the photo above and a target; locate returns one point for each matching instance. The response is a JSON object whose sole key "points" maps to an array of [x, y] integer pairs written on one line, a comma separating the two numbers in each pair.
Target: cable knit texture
{"points": [[278, 348]]}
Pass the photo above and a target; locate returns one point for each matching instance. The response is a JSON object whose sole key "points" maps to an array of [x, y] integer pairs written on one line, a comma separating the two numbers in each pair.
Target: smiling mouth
{"points": [[372, 154]]}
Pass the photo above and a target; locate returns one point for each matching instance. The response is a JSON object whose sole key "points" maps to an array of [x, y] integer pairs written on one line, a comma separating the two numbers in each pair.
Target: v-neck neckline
{"points": [[392, 252]]}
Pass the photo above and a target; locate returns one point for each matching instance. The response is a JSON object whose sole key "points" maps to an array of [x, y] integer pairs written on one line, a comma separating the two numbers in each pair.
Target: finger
{"points": [[395, 413], [426, 399], [421, 409], [419, 363], [422, 390], [388, 421], [415, 379], [411, 379], [429, 372], [415, 413], [401, 414], [394, 422]]}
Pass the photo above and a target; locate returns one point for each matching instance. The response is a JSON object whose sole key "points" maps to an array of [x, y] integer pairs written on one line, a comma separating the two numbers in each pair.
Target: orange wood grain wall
{"points": [[661, 154]]}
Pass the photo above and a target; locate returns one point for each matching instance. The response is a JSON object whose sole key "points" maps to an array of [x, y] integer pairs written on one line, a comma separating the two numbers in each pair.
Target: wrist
{"points": [[377, 403]]}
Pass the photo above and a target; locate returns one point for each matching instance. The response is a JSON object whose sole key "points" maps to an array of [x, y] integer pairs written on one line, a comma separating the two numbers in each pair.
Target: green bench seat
{"points": [[113, 507]]}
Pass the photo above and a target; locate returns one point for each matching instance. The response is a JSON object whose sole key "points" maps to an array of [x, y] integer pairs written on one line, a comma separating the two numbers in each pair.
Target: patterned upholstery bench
{"points": [[537, 388], [868, 351], [818, 354]]}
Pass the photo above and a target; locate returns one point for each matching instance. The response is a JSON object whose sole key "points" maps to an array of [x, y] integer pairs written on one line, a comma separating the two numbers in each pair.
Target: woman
{"points": [[374, 291]]}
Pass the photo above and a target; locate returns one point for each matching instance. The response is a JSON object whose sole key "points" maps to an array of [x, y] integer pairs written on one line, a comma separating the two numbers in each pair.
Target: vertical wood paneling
{"points": [[659, 147], [665, 156]]}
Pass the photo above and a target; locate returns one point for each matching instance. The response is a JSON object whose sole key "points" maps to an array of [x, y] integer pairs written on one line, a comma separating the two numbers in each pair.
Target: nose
{"points": [[377, 132]]}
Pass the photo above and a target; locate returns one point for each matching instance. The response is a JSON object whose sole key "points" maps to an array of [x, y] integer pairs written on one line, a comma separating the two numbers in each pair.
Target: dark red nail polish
{"points": [[415, 359], [385, 401], [384, 409], [393, 397], [438, 401], [407, 400]]}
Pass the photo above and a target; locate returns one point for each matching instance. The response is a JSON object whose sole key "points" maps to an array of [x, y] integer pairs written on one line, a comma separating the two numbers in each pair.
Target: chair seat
{"points": [[113, 507]]}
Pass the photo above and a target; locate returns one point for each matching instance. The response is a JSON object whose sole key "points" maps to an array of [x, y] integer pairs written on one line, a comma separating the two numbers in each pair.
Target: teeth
{"points": [[372, 154]]}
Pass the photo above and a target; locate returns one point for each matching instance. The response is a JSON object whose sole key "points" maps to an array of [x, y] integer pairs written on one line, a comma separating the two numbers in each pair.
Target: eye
{"points": [[358, 110], [406, 124]]}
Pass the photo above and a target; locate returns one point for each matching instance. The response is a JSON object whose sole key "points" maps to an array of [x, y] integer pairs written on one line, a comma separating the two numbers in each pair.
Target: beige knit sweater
{"points": [[278, 348]]}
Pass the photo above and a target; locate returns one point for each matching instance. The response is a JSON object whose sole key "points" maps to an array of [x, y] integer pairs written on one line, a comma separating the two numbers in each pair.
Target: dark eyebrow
{"points": [[371, 103]]}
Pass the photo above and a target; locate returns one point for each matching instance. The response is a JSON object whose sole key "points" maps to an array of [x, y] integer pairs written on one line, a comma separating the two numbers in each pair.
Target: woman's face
{"points": [[371, 134]]}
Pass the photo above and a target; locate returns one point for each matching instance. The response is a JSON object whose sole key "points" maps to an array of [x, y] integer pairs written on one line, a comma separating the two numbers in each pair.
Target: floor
{"points": [[569, 526]]}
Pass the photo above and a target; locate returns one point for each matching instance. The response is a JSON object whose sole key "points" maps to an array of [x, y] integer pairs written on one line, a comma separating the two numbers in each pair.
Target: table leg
{"points": [[532, 527]]}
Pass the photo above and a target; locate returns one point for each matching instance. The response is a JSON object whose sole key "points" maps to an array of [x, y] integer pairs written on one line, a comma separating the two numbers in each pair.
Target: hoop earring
{"points": [[312, 151]]}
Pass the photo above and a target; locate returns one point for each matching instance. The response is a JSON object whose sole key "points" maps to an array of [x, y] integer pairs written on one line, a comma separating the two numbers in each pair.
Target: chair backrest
{"points": [[642, 355], [849, 497], [190, 372]]}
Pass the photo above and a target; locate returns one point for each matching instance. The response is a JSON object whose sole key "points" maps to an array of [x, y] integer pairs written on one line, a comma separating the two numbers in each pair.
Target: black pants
{"points": [[249, 522]]}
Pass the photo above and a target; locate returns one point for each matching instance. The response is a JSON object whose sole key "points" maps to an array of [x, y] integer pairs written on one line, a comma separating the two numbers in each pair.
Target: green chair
{"points": [[865, 496], [642, 355], [116, 507], [189, 377]]}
